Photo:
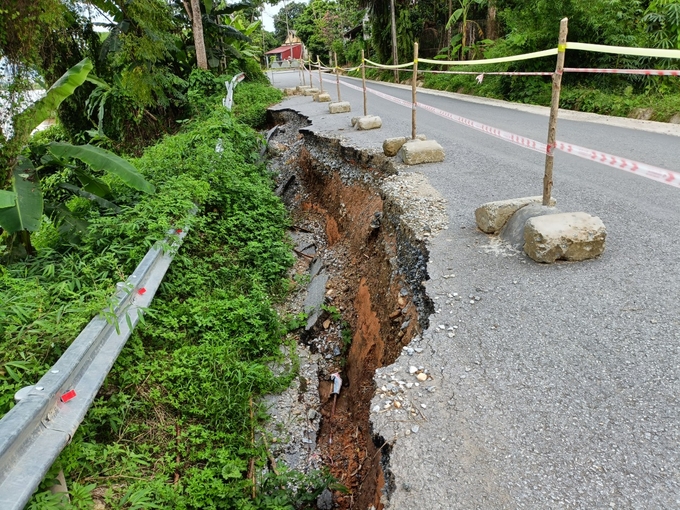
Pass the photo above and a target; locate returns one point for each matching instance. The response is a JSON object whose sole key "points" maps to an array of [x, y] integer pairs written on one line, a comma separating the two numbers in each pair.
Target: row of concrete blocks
{"points": [[544, 233], [413, 152]]}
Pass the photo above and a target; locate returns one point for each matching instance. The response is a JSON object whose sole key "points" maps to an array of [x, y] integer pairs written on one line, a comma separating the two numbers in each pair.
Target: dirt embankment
{"points": [[376, 264]]}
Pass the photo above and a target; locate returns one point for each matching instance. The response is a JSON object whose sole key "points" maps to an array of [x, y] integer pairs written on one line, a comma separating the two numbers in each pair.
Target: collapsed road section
{"points": [[360, 230]]}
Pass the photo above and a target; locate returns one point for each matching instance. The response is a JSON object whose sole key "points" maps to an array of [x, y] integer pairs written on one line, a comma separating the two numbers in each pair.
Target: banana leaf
{"points": [[101, 159], [29, 119], [7, 199], [90, 196], [27, 210]]}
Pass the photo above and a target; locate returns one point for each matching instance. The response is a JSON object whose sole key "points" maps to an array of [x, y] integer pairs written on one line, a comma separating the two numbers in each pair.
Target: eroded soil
{"points": [[374, 294]]}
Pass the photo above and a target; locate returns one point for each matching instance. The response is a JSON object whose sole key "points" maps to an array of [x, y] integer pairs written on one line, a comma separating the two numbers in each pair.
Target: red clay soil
{"points": [[371, 304]]}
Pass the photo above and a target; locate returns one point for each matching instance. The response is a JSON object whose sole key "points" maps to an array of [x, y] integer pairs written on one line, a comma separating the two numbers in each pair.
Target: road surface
{"points": [[560, 387]]}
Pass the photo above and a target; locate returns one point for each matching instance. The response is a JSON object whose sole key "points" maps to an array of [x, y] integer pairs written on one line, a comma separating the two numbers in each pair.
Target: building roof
{"points": [[282, 49]]}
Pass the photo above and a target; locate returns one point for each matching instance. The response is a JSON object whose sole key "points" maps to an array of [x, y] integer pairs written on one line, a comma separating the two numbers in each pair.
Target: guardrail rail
{"points": [[35, 431]]}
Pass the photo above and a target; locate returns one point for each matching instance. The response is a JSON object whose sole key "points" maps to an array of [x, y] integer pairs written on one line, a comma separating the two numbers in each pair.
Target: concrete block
{"points": [[341, 107], [415, 152], [369, 122], [322, 97], [492, 216], [513, 231], [391, 146], [566, 236], [290, 91], [310, 91], [302, 88]]}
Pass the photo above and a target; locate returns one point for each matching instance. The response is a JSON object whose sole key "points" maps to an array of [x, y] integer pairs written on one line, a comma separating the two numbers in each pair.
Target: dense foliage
{"points": [[173, 425]]}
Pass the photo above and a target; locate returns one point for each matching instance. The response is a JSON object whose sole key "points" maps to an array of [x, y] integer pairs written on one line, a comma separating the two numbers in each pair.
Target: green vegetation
{"points": [[173, 425], [478, 29], [178, 422]]}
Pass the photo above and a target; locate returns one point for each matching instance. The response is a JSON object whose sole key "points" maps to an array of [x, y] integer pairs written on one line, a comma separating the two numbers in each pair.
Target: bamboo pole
{"points": [[554, 106], [363, 80], [337, 76], [311, 84], [414, 80], [318, 63], [302, 72]]}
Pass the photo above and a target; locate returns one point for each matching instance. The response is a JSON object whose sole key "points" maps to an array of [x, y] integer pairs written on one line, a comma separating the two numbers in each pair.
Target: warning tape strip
{"points": [[642, 169], [628, 165], [382, 66], [624, 50], [513, 58], [646, 72]]}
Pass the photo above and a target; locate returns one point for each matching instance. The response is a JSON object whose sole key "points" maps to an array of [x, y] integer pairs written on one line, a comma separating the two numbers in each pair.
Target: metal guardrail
{"points": [[35, 431]]}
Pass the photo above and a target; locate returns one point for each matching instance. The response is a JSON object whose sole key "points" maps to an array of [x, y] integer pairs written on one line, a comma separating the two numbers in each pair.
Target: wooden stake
{"points": [[318, 62], [337, 76], [363, 79], [310, 72], [554, 106], [413, 90]]}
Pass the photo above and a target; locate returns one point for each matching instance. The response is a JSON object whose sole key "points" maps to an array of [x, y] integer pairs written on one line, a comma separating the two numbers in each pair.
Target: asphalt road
{"points": [[560, 387]]}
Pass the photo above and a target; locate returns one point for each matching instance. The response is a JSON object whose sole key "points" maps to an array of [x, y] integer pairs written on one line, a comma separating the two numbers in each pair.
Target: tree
{"points": [[199, 43], [284, 20]]}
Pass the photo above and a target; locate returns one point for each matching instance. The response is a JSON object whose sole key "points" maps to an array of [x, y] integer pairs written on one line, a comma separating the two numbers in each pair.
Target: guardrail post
{"points": [[337, 76], [413, 90], [318, 63], [554, 107], [363, 79]]}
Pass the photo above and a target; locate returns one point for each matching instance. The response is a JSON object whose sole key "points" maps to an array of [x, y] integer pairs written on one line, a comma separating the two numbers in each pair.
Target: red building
{"points": [[292, 51]]}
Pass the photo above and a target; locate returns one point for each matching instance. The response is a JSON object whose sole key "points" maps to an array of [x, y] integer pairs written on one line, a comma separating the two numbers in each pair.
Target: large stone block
{"points": [[513, 231], [492, 216], [566, 236], [416, 152], [290, 91], [369, 122], [310, 91], [340, 107], [391, 146], [302, 88]]}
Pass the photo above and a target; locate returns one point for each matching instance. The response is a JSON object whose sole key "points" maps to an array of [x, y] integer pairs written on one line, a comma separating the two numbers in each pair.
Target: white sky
{"points": [[267, 15]]}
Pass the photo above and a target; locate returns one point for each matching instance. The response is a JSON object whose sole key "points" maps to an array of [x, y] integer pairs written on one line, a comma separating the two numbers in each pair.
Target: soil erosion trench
{"points": [[353, 202]]}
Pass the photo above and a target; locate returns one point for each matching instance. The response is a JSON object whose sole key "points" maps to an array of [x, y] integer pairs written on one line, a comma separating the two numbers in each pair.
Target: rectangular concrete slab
{"points": [[566, 236], [416, 152], [341, 107], [310, 91], [492, 216]]}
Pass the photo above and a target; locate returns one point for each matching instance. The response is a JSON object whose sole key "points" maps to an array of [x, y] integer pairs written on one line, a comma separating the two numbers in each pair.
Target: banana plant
{"points": [[21, 203]]}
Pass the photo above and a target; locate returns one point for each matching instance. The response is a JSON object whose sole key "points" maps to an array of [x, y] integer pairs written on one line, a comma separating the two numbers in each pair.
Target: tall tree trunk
{"points": [[492, 21], [199, 42], [448, 30], [395, 55]]}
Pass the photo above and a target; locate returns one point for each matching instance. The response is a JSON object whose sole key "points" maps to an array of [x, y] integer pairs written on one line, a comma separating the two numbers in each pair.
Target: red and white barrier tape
{"points": [[646, 72], [628, 165], [642, 169]]}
